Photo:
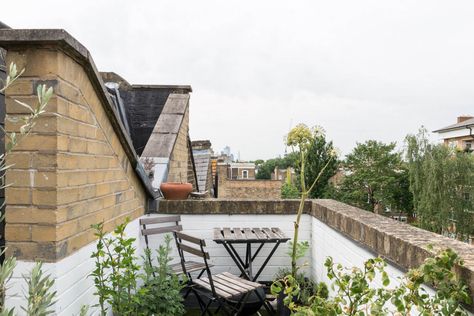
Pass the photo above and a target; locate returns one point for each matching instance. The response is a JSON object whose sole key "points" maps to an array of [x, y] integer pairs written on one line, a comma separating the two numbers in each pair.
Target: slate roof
{"points": [[142, 106], [462, 125]]}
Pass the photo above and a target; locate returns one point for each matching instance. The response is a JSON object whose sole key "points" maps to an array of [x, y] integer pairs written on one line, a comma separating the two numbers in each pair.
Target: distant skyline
{"points": [[360, 69]]}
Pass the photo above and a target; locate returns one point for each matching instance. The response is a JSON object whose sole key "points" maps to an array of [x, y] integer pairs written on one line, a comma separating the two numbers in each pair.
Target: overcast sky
{"points": [[361, 69]]}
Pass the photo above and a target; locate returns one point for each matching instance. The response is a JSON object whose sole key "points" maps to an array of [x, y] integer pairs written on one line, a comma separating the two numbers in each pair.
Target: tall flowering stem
{"points": [[300, 138]]}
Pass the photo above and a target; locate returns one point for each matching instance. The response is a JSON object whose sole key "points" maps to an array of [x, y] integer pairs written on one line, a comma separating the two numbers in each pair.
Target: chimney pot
{"points": [[464, 118]]}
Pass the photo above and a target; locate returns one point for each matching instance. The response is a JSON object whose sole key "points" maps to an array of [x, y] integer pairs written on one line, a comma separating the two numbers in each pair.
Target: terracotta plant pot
{"points": [[175, 190]]}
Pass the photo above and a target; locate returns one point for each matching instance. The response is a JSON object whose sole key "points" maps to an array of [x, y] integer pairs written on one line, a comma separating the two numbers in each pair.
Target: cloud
{"points": [[362, 69]]}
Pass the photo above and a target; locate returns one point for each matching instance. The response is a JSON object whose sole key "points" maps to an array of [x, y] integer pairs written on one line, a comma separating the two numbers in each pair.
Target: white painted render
{"points": [[453, 134]]}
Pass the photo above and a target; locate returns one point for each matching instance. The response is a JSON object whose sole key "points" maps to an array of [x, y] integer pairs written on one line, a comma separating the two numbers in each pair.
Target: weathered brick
{"points": [[19, 178], [20, 87], [79, 113], [45, 179], [19, 160], [18, 195], [32, 215], [39, 143], [77, 145], [18, 232], [41, 233], [45, 197], [44, 161]]}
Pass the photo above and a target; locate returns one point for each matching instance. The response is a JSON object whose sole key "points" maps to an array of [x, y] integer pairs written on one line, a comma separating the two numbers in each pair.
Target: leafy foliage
{"points": [[356, 291], [289, 191], [265, 168], [117, 275], [301, 139], [320, 154], [442, 183], [161, 293], [116, 272], [40, 297], [376, 178]]}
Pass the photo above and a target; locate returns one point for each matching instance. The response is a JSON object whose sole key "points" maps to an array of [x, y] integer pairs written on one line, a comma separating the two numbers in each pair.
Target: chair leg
{"points": [[206, 309], [241, 303]]}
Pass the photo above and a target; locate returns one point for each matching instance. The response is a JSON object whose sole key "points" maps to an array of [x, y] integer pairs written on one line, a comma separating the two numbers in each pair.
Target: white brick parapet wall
{"points": [[347, 234]]}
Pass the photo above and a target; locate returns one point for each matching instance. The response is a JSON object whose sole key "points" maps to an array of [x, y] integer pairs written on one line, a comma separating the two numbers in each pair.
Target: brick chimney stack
{"points": [[464, 118], [201, 144]]}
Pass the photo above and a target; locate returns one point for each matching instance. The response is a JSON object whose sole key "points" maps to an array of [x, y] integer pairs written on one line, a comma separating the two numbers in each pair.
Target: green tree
{"points": [[320, 154], [442, 183], [265, 168], [374, 174]]}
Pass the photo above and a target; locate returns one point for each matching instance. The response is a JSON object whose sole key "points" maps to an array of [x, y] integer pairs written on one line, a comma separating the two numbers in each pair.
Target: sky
{"points": [[360, 69]]}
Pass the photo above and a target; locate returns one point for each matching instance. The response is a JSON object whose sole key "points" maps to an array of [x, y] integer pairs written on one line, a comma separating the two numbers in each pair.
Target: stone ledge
{"points": [[403, 245], [231, 206]]}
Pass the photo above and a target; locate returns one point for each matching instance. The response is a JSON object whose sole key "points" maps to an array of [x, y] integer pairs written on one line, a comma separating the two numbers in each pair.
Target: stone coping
{"points": [[403, 245], [58, 38]]}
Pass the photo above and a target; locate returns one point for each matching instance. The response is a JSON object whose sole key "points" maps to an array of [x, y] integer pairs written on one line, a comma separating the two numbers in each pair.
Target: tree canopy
{"points": [[320, 153], [265, 168], [442, 183], [375, 178]]}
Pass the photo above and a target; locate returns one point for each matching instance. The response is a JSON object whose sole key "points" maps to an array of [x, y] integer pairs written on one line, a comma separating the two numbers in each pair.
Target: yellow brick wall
{"points": [[71, 171], [178, 170], [246, 189]]}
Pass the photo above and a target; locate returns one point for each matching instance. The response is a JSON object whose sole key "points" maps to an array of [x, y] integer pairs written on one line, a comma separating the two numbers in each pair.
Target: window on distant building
{"points": [[468, 145], [245, 174]]}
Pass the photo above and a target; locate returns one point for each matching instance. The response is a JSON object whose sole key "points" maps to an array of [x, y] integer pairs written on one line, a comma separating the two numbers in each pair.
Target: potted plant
{"points": [[176, 190]]}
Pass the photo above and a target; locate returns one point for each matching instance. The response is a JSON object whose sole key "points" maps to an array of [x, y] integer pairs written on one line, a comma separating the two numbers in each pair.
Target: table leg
{"points": [[237, 255], [236, 261], [258, 251], [249, 258], [266, 261]]}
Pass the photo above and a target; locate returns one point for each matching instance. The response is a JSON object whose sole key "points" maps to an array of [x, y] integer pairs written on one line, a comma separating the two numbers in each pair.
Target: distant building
{"points": [[237, 181], [459, 135], [283, 174], [241, 171]]}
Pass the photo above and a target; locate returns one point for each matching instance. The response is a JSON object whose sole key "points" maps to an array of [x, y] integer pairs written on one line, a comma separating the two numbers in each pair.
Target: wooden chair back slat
{"points": [[191, 239], [160, 220], [194, 251], [161, 230]]}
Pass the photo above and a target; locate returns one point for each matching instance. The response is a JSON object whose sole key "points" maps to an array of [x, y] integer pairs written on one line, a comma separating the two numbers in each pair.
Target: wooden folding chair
{"points": [[163, 225], [219, 288]]}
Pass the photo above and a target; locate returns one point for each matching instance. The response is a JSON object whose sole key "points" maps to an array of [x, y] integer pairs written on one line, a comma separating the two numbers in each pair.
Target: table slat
{"points": [[270, 234], [217, 234], [238, 233], [249, 234], [259, 233], [278, 231], [227, 233]]}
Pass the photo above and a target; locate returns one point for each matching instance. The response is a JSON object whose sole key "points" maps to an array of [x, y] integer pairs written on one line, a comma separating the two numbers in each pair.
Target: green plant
{"points": [[161, 292], [116, 272], [40, 297], [442, 183], [301, 138], [356, 293], [307, 288], [289, 191]]}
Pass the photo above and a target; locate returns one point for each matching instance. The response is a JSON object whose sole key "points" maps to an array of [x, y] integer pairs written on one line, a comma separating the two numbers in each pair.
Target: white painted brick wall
{"points": [[202, 226], [75, 288]]}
